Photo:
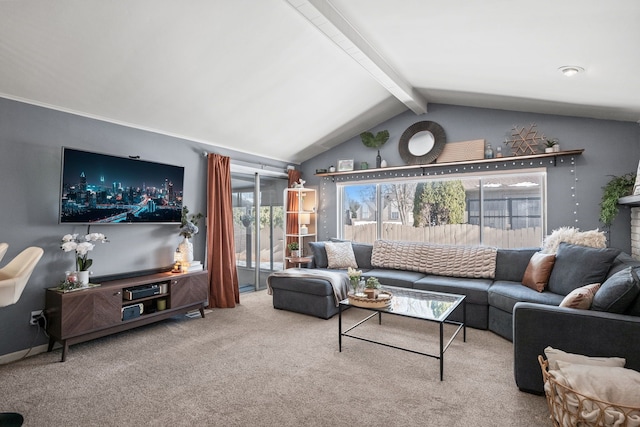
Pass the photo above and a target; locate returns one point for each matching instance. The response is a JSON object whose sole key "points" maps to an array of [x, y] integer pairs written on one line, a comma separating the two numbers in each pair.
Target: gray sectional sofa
{"points": [[496, 299]]}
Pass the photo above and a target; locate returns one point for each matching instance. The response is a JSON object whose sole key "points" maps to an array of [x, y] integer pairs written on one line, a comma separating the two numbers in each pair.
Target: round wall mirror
{"points": [[422, 143]]}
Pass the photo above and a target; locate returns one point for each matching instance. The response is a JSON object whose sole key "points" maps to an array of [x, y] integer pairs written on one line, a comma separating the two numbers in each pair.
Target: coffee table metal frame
{"points": [[455, 300]]}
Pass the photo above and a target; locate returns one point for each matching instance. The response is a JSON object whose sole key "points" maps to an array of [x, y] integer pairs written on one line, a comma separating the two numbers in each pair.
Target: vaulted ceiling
{"points": [[289, 79]]}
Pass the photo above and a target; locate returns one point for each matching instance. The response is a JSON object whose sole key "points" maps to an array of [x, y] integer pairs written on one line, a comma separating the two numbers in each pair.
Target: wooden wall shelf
{"points": [[467, 162]]}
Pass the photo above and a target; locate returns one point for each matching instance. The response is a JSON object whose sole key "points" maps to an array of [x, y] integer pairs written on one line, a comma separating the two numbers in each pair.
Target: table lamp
{"points": [[303, 220]]}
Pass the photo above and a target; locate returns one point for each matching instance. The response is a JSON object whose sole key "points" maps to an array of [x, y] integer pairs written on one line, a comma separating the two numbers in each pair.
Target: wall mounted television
{"points": [[104, 189]]}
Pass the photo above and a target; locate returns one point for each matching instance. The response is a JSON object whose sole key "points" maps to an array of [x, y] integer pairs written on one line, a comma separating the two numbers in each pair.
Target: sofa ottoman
{"points": [[314, 297]]}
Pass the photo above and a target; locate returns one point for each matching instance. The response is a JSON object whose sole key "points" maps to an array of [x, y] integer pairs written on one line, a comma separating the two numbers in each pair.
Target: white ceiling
{"points": [[259, 76]]}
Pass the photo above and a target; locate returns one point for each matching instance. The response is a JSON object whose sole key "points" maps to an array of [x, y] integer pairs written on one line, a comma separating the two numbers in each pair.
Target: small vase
{"points": [[186, 249], [83, 278]]}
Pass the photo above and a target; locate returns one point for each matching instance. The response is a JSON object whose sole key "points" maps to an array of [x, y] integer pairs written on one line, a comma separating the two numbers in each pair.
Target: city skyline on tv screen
{"points": [[101, 188]]}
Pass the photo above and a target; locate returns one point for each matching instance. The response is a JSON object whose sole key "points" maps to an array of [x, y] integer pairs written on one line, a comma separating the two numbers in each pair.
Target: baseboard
{"points": [[12, 357]]}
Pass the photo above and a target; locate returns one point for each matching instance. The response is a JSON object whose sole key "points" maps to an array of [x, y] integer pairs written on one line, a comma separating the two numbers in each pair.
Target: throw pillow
{"points": [[554, 355], [340, 255], [592, 238], [578, 266], [610, 384], [618, 292], [581, 298], [536, 276], [319, 254]]}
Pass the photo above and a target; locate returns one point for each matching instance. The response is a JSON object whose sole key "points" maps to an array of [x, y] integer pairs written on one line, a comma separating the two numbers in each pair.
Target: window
{"points": [[503, 210]]}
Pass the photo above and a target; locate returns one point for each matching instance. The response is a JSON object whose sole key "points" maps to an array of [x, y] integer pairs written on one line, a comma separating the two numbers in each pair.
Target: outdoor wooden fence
{"points": [[452, 234]]}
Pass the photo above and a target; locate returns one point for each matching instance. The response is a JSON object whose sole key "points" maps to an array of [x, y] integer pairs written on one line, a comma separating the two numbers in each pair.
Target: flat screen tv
{"points": [[104, 189]]}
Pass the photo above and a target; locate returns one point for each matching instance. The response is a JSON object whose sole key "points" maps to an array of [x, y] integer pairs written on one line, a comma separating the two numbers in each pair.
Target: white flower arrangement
{"points": [[71, 242]]}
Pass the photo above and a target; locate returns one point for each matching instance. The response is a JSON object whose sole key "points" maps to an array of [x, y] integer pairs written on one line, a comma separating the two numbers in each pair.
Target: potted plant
{"points": [[371, 287], [551, 145], [618, 186], [375, 141], [294, 249]]}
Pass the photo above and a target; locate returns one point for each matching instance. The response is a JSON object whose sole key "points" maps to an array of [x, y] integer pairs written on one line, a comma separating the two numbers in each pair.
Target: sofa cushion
{"points": [[536, 276], [511, 263], [340, 255], [504, 295], [443, 260], [618, 292], [578, 266], [622, 261], [593, 238], [581, 298], [362, 252], [400, 278], [554, 355], [474, 289], [604, 383], [319, 254]]}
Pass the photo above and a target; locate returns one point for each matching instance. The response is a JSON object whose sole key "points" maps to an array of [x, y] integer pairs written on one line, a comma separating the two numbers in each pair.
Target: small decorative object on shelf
{"points": [[375, 141], [524, 141], [82, 247], [294, 249], [488, 152], [299, 184], [498, 152], [332, 168], [551, 145]]}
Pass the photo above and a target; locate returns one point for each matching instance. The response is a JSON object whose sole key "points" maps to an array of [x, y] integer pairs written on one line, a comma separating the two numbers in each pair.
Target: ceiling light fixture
{"points": [[570, 70]]}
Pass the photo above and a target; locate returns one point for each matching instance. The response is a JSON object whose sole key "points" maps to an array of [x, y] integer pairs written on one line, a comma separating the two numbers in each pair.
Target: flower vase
{"points": [[83, 278], [186, 249]]}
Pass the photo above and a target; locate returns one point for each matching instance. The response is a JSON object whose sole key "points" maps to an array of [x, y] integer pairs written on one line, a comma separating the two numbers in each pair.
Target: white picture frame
{"points": [[345, 165]]}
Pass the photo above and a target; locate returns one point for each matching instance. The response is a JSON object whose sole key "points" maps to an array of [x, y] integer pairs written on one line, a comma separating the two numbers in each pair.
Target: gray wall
{"points": [[31, 141], [611, 148]]}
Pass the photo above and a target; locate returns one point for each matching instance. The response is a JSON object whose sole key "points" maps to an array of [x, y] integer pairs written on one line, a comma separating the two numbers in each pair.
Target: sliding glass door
{"points": [[258, 217]]}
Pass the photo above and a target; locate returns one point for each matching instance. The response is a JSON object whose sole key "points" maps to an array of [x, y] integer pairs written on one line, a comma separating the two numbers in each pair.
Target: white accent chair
{"points": [[15, 275], [13, 279]]}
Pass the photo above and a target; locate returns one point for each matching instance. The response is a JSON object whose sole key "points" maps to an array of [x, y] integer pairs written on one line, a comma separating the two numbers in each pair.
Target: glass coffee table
{"points": [[424, 305]]}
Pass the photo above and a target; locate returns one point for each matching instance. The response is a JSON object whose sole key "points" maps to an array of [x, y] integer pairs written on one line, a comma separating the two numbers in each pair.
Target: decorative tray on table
{"points": [[383, 300]]}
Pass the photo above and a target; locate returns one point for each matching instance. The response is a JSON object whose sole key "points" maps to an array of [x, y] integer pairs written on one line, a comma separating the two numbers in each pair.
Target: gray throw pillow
{"points": [[319, 254], [578, 266], [618, 292], [363, 251]]}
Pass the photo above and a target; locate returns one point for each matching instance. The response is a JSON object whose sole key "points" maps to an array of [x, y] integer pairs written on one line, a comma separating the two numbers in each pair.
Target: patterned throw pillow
{"points": [[340, 255], [581, 298]]}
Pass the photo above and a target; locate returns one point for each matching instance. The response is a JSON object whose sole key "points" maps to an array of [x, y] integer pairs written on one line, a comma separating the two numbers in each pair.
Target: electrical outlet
{"points": [[35, 315]]}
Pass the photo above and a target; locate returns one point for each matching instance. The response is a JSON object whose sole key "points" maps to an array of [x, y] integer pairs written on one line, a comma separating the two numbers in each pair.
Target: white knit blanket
{"points": [[339, 281]]}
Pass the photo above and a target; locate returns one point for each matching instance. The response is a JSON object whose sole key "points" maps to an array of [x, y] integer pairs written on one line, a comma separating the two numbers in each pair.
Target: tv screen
{"points": [[104, 189]]}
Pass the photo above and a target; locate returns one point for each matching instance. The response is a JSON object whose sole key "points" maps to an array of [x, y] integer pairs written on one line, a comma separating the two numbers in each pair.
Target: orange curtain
{"points": [[221, 252], [292, 209]]}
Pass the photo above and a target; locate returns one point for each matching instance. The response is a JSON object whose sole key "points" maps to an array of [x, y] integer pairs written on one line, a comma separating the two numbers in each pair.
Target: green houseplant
{"points": [[294, 249], [618, 186], [375, 141]]}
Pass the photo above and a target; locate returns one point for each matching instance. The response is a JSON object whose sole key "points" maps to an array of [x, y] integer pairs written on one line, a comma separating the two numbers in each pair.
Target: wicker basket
{"points": [[383, 300], [571, 408]]}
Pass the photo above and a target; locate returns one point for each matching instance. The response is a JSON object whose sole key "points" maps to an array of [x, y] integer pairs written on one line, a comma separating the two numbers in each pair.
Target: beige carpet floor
{"points": [[256, 366]]}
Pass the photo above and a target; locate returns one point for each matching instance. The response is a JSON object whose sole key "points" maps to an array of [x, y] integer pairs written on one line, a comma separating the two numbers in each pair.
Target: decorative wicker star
{"points": [[524, 140]]}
